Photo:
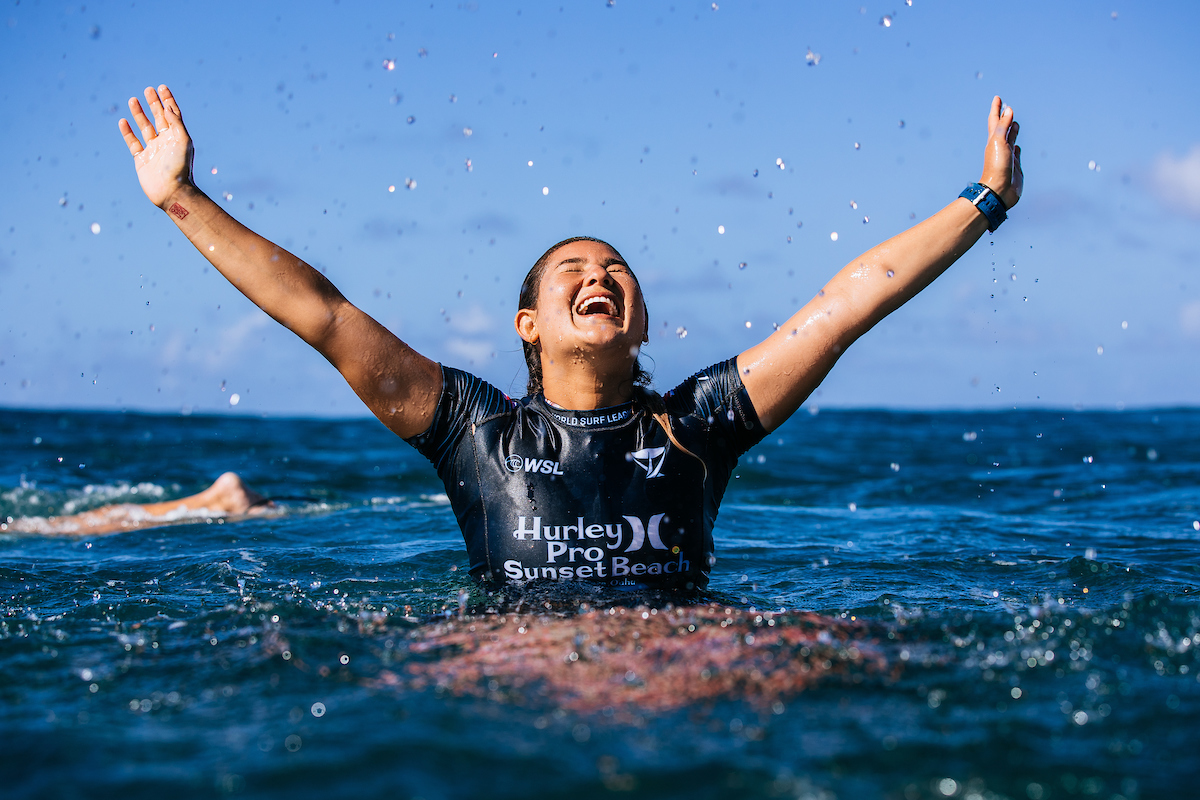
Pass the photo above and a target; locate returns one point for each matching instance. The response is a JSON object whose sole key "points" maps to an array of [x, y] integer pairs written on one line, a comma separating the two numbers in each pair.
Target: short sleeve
{"points": [[465, 400], [717, 400]]}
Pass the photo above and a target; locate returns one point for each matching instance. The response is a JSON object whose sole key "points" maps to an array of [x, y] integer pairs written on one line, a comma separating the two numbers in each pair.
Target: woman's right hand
{"points": [[164, 162]]}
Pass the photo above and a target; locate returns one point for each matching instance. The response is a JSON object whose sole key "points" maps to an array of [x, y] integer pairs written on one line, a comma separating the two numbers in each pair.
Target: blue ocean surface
{"points": [[904, 605]]}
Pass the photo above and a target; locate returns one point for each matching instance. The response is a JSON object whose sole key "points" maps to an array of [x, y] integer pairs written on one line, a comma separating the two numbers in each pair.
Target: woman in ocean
{"points": [[592, 475]]}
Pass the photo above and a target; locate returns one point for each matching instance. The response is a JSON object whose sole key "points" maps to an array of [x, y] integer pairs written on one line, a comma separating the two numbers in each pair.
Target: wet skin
{"points": [[589, 325]]}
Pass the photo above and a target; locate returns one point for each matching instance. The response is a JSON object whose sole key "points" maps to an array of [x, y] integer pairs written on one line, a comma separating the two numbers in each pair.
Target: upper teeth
{"points": [[591, 301]]}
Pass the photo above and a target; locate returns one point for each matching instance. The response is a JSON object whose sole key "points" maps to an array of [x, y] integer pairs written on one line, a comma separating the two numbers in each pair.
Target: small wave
{"points": [[27, 500]]}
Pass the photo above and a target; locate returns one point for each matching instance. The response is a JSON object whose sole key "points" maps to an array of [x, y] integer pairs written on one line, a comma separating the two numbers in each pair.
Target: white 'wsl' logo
{"points": [[545, 466]]}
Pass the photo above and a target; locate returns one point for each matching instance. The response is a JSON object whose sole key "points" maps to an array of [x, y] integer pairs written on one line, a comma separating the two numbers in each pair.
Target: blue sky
{"points": [[649, 124]]}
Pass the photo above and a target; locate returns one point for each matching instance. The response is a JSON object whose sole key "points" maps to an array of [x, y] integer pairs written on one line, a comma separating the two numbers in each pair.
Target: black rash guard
{"points": [[541, 492]]}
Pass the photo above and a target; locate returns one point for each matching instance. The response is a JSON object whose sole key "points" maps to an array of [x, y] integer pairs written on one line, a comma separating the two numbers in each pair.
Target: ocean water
{"points": [[905, 605]]}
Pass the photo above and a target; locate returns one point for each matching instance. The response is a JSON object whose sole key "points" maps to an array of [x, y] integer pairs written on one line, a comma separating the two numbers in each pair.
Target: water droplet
{"points": [[318, 709], [742, 265], [833, 236], [720, 229], [545, 190], [1092, 165], [1124, 325], [411, 120], [467, 131], [234, 399], [292, 743], [853, 506], [1100, 350], [891, 273], [681, 332], [95, 227], [389, 64], [344, 659], [886, 21]]}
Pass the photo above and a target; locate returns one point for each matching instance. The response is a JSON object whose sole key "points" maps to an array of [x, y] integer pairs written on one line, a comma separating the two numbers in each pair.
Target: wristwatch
{"points": [[988, 203]]}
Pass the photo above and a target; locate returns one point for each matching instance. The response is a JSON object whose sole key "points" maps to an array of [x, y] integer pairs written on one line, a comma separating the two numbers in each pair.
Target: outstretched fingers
{"points": [[141, 120], [168, 100], [1013, 130], [131, 140], [156, 108]]}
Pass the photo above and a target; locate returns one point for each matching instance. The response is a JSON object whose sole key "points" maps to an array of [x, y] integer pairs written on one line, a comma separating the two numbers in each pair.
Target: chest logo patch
{"points": [[650, 459], [515, 463]]}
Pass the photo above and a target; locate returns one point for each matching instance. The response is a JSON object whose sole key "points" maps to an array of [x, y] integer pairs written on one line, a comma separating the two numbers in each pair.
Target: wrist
{"points": [[183, 198], [988, 202]]}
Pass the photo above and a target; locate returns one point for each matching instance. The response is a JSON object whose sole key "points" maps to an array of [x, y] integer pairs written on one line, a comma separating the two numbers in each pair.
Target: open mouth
{"points": [[597, 304]]}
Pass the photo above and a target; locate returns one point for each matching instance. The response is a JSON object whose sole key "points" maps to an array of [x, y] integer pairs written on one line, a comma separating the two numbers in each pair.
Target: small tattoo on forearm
{"points": [[178, 210]]}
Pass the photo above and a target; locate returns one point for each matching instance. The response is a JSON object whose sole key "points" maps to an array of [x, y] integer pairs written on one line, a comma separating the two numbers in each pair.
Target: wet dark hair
{"points": [[643, 395], [528, 299]]}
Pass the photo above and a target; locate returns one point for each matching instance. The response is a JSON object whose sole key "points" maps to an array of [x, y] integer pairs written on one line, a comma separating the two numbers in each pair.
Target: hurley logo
{"points": [[650, 459]]}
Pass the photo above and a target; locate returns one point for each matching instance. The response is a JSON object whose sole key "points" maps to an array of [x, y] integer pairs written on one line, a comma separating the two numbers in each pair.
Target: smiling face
{"points": [[589, 310]]}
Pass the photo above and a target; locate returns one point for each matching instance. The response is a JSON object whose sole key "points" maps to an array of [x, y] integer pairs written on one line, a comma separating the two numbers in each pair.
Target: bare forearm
{"points": [[279, 283], [782, 371], [890, 274]]}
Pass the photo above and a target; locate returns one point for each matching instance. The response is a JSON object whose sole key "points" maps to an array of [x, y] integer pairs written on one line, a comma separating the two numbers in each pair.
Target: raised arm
{"points": [[782, 371], [397, 383]]}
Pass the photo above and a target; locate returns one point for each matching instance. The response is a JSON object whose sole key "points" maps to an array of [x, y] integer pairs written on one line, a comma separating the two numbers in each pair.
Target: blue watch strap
{"points": [[988, 203]]}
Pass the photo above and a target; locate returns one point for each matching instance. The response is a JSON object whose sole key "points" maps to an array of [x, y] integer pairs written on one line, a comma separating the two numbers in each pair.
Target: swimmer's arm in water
{"points": [[397, 383], [782, 371]]}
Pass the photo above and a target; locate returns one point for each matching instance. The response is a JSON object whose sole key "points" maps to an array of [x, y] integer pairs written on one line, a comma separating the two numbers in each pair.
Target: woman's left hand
{"points": [[1002, 157]]}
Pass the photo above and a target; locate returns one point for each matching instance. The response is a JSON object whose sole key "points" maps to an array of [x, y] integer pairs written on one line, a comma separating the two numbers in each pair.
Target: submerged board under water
{"points": [[906, 605]]}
